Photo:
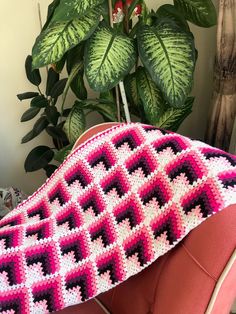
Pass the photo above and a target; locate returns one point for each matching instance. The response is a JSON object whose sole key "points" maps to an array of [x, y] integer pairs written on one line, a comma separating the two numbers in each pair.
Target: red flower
{"points": [[118, 12], [138, 10]]}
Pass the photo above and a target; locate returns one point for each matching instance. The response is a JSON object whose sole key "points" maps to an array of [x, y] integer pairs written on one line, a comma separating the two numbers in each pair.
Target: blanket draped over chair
{"points": [[118, 202]]}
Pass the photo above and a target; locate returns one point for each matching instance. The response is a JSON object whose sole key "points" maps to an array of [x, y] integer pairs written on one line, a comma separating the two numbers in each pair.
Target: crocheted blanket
{"points": [[118, 202]]}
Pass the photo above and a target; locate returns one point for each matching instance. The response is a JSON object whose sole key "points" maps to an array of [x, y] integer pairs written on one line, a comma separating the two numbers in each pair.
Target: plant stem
{"points": [[121, 84], [41, 24], [72, 75], [39, 90], [116, 88], [40, 16], [110, 12], [117, 103], [124, 100], [126, 19]]}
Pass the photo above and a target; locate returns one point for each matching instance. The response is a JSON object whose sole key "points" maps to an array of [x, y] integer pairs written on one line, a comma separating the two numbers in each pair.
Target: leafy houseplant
{"points": [[122, 50]]}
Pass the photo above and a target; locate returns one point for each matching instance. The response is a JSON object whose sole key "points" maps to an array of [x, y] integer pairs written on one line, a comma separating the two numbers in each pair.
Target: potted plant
{"points": [[128, 54]]}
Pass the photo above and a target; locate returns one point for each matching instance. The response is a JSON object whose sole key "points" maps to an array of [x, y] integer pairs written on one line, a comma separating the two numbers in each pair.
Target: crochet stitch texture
{"points": [[118, 202]]}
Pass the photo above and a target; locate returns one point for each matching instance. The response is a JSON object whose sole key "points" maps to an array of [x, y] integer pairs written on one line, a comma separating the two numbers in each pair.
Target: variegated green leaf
{"points": [[131, 90], [108, 111], [108, 96], [51, 9], [199, 12], [61, 155], [168, 53], [75, 123], [109, 56], [72, 9], [105, 107], [74, 71], [150, 95], [52, 43], [74, 56], [173, 117], [78, 86]]}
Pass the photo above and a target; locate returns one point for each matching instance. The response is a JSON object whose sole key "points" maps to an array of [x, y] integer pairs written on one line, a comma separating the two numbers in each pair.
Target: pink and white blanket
{"points": [[118, 202]]}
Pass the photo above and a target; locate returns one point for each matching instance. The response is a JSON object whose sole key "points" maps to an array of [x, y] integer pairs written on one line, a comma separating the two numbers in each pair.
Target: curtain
{"points": [[223, 114]]}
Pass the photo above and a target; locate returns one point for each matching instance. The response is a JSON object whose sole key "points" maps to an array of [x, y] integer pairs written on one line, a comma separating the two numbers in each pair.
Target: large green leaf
{"points": [[72, 75], [39, 102], [52, 114], [71, 9], [59, 65], [32, 75], [26, 95], [78, 86], [38, 158], [150, 95], [75, 123], [168, 53], [107, 96], [52, 79], [63, 140], [52, 43], [63, 153], [107, 111], [105, 107], [131, 90], [170, 12], [74, 56], [109, 56], [75, 69], [199, 12], [173, 117], [58, 88], [51, 10], [56, 132], [28, 137], [30, 114], [49, 169], [38, 127]]}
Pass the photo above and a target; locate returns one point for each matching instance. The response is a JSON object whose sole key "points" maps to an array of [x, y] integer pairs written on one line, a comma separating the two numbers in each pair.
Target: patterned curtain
{"points": [[223, 113]]}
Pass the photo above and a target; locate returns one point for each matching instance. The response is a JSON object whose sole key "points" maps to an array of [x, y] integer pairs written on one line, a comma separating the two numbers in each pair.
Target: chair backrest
{"points": [[93, 131], [198, 276]]}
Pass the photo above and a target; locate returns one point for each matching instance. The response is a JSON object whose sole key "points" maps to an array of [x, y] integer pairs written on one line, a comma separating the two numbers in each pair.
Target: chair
{"points": [[197, 276]]}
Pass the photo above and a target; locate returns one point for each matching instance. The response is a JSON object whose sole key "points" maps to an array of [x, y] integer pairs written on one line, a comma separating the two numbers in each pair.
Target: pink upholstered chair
{"points": [[198, 276]]}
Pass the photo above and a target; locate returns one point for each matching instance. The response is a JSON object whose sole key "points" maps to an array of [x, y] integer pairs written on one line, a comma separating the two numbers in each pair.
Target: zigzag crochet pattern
{"points": [[118, 202]]}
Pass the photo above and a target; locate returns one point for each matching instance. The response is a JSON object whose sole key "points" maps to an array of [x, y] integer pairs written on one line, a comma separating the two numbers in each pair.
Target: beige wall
{"points": [[18, 27]]}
